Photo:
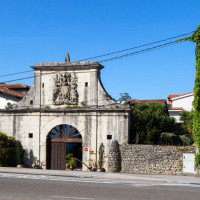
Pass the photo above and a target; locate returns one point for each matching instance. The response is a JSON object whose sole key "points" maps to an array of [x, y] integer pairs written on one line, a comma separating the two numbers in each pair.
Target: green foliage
{"points": [[197, 160], [11, 151], [124, 97], [187, 118], [196, 120], [91, 162], [7, 150], [20, 153], [68, 157], [186, 139], [72, 162], [101, 155], [148, 121], [9, 106], [169, 139], [196, 103], [34, 160], [152, 136]]}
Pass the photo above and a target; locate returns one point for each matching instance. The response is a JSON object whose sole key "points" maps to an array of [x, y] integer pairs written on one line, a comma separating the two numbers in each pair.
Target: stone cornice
{"points": [[66, 110], [67, 66]]}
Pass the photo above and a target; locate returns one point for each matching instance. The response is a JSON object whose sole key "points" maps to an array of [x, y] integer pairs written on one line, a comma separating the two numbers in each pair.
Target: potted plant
{"points": [[72, 163], [34, 165], [101, 158], [92, 164], [67, 159]]}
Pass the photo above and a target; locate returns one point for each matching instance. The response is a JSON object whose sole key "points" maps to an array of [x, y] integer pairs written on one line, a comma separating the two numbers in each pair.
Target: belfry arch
{"points": [[60, 140]]}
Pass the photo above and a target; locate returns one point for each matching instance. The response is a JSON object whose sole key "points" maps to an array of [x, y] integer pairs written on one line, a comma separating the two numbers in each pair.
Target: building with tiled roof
{"points": [[136, 101], [179, 102], [12, 93]]}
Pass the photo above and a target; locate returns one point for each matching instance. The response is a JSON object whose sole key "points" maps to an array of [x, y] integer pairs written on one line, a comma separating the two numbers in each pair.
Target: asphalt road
{"points": [[17, 187]]}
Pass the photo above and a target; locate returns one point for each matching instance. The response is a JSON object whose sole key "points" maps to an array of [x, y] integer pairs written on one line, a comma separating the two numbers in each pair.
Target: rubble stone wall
{"points": [[153, 159]]}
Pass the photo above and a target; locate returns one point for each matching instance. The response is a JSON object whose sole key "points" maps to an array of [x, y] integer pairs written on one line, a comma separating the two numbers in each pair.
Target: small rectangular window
{"points": [[43, 85], [30, 135], [86, 84], [31, 102], [109, 137]]}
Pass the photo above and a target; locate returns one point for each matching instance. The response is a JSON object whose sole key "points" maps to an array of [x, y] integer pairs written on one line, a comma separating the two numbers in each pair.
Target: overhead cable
{"points": [[111, 53]]}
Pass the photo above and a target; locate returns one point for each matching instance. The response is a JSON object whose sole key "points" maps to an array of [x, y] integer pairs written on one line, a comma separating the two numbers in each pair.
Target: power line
{"points": [[107, 54], [117, 57], [120, 51], [18, 79], [141, 51], [16, 73]]}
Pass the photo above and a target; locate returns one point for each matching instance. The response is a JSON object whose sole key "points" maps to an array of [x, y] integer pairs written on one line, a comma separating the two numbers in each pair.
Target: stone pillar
{"points": [[114, 157]]}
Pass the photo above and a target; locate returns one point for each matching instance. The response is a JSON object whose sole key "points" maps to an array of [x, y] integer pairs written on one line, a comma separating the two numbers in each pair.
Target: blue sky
{"points": [[44, 30]]}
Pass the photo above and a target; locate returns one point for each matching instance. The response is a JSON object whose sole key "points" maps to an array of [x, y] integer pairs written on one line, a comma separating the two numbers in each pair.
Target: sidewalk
{"points": [[104, 176]]}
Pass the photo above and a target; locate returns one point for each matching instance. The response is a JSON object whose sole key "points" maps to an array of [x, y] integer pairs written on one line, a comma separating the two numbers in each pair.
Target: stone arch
{"points": [[59, 139], [54, 121]]}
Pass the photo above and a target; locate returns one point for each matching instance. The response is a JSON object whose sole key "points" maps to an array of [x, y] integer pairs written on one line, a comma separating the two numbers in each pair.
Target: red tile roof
{"points": [[16, 86], [135, 101], [8, 89], [173, 96], [177, 95]]}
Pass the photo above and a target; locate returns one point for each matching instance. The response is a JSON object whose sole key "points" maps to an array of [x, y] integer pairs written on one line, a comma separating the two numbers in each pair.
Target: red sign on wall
{"points": [[85, 149]]}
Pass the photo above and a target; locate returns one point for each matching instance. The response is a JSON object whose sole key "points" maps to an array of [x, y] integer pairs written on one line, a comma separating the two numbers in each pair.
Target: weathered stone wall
{"points": [[153, 159], [114, 157], [67, 93], [93, 124]]}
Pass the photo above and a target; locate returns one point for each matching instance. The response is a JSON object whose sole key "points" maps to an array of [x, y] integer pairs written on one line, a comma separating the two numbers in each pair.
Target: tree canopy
{"points": [[150, 124]]}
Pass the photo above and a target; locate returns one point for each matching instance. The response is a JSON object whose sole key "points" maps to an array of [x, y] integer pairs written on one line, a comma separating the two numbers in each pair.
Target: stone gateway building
{"points": [[67, 109]]}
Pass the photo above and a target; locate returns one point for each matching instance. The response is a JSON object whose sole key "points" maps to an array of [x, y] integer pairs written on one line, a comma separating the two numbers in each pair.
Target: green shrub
{"points": [[152, 136], [11, 151], [7, 150], [20, 153], [169, 139], [197, 160], [72, 162], [101, 155], [186, 139], [187, 118], [148, 121], [68, 157]]}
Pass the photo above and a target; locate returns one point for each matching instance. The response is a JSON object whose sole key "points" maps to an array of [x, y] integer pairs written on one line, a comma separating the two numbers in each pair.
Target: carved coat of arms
{"points": [[65, 91]]}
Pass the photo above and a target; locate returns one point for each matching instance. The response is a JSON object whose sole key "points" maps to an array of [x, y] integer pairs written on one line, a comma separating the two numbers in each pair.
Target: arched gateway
{"points": [[61, 140], [69, 92]]}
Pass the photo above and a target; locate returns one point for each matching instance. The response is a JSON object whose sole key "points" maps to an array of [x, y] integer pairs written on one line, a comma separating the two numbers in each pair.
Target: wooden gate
{"points": [[56, 145], [58, 150]]}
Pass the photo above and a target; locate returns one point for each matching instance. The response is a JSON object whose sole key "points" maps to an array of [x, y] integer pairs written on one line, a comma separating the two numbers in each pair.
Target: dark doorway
{"points": [[61, 140]]}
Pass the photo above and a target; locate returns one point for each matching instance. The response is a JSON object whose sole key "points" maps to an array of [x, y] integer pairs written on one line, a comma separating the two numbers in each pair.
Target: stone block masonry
{"points": [[151, 159]]}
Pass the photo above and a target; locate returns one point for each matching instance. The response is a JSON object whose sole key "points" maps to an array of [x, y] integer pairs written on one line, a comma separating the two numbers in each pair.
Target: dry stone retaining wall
{"points": [[153, 159]]}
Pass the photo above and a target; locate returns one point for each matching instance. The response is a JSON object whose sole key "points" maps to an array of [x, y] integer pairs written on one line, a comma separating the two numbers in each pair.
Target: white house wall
{"points": [[184, 102], [5, 99], [175, 114]]}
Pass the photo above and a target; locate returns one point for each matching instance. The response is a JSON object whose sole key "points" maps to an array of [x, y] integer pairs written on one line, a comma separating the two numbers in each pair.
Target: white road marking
{"points": [[62, 197]]}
